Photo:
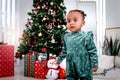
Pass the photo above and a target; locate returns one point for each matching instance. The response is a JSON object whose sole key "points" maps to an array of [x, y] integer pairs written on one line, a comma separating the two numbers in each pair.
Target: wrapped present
{"points": [[25, 65], [40, 69], [32, 59], [6, 60], [42, 56], [29, 65]]}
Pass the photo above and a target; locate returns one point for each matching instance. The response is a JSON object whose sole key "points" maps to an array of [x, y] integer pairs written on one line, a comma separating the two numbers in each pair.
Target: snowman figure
{"points": [[52, 70]]}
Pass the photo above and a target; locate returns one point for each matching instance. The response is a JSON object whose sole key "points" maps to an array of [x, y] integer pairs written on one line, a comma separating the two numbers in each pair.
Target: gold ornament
{"points": [[40, 34], [48, 31], [58, 26], [38, 7], [36, 24], [54, 13], [45, 44], [51, 3], [33, 33], [44, 19]]}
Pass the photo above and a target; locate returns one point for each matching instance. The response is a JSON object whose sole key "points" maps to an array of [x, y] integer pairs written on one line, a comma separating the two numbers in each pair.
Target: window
{"points": [[7, 20]]}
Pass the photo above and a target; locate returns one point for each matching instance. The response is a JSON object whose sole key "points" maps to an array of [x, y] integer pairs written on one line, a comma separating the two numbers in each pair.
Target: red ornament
{"points": [[25, 35], [47, 19], [44, 50], [41, 0], [28, 23], [62, 42], [17, 55], [35, 10], [28, 42], [55, 7], [60, 22], [35, 42]]}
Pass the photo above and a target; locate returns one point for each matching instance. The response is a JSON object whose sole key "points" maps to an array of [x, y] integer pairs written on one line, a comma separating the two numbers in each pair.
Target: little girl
{"points": [[79, 49]]}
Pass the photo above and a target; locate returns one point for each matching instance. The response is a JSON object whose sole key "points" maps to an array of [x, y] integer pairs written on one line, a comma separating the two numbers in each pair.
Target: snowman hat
{"points": [[51, 57]]}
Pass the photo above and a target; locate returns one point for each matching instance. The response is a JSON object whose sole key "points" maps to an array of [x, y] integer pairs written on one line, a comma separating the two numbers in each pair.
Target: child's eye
{"points": [[75, 20]]}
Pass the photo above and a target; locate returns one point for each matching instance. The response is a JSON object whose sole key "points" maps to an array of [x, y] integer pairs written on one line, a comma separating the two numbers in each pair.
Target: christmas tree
{"points": [[44, 28]]}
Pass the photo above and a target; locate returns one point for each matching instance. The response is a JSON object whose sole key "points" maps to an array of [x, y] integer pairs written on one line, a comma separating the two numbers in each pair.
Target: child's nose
{"points": [[71, 22]]}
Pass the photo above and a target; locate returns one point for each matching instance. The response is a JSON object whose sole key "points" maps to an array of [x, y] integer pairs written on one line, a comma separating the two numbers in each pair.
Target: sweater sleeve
{"points": [[64, 52], [92, 51]]}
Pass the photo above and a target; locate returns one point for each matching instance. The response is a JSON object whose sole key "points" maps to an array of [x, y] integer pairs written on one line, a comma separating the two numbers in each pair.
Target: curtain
{"points": [[8, 23]]}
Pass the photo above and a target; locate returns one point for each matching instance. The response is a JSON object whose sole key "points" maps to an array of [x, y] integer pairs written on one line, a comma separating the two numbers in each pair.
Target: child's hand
{"points": [[94, 69]]}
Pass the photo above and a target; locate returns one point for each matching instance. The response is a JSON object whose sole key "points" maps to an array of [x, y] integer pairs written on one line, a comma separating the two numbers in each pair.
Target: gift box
{"points": [[6, 60], [32, 59], [40, 69], [29, 65], [25, 65]]}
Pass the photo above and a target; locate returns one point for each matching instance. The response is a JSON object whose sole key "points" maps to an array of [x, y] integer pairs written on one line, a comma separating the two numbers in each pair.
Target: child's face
{"points": [[75, 21]]}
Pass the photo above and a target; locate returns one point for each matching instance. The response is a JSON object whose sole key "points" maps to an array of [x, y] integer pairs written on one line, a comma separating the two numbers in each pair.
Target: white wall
{"points": [[112, 13], [70, 4], [22, 8]]}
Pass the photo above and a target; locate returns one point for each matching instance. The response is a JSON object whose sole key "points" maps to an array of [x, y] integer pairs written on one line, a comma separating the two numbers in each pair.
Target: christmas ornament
{"points": [[39, 26], [53, 21], [54, 13], [52, 39], [40, 34], [17, 55], [44, 19], [44, 50], [48, 30], [28, 42], [60, 22], [44, 6], [28, 23], [47, 19], [55, 7], [33, 33], [45, 44], [25, 35], [51, 12], [49, 26], [62, 42], [51, 3], [41, 0], [35, 10], [38, 7], [58, 26], [35, 42], [36, 24]]}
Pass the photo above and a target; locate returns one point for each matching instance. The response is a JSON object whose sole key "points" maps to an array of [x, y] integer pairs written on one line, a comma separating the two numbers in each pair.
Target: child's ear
{"points": [[83, 23]]}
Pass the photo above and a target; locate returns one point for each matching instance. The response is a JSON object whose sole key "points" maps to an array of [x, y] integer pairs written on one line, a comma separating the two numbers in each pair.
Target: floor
{"points": [[19, 74]]}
